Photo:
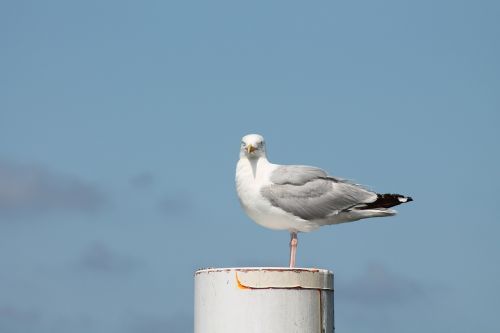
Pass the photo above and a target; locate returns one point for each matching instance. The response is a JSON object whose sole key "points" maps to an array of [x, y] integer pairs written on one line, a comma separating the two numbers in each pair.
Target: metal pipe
{"points": [[263, 299]]}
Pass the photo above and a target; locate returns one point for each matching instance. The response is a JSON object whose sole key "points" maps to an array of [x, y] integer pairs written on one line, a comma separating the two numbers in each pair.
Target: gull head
{"points": [[252, 146]]}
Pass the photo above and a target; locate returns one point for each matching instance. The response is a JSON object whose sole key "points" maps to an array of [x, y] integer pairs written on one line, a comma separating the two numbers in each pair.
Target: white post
{"points": [[261, 300]]}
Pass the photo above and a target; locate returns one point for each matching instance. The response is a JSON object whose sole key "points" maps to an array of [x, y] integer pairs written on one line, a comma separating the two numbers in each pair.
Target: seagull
{"points": [[301, 198]]}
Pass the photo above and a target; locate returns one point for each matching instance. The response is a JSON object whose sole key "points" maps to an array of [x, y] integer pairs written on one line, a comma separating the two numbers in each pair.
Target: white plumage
{"points": [[301, 198]]}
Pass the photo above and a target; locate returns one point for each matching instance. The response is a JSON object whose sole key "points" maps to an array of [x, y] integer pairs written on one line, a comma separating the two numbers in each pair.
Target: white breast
{"points": [[251, 176]]}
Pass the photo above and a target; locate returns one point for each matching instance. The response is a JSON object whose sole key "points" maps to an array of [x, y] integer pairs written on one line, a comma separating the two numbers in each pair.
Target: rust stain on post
{"points": [[238, 283]]}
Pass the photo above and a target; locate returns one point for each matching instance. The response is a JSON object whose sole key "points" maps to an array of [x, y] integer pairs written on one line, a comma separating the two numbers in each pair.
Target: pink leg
{"points": [[293, 248]]}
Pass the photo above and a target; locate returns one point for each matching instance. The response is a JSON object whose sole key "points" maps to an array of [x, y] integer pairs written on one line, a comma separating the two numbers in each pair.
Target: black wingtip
{"points": [[387, 200]]}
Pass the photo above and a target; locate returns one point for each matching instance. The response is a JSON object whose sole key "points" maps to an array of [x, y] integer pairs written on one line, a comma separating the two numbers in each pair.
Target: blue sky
{"points": [[120, 125]]}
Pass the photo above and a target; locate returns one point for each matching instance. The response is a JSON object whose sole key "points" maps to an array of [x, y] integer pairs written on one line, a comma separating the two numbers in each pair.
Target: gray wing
{"points": [[310, 194], [296, 174]]}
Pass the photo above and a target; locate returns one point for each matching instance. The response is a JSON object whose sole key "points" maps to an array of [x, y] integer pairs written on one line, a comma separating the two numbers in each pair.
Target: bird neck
{"points": [[257, 163]]}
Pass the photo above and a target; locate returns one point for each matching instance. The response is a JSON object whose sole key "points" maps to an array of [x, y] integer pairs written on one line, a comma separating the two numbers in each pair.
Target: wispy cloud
{"points": [[142, 180], [15, 319], [377, 285], [99, 257], [31, 190], [176, 204]]}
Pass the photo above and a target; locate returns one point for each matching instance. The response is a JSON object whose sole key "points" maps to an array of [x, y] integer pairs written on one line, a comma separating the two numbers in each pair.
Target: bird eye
{"points": [[243, 144]]}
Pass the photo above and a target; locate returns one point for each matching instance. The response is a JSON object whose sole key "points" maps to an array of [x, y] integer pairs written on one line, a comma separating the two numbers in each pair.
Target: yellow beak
{"points": [[250, 149]]}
